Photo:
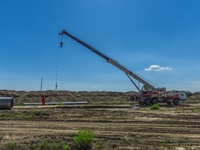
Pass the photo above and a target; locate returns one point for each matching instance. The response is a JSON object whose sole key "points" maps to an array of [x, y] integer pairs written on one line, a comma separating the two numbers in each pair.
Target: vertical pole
{"points": [[56, 87], [41, 84]]}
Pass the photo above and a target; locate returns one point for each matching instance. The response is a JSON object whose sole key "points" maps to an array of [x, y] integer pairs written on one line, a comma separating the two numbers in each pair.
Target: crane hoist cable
{"points": [[60, 43]]}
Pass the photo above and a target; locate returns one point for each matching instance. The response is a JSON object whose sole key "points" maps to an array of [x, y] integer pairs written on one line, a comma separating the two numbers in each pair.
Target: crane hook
{"points": [[61, 44]]}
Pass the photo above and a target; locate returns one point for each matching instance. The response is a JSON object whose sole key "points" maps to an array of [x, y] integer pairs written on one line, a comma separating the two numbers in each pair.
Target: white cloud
{"points": [[157, 68]]}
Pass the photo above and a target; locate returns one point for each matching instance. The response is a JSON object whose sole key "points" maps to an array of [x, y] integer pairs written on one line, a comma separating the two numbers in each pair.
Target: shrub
{"points": [[66, 147], [155, 107], [84, 139], [56, 146], [44, 145], [11, 145], [192, 109]]}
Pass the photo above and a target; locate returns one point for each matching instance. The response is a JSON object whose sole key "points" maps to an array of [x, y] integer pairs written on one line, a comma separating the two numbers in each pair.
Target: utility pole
{"points": [[56, 87], [41, 84]]}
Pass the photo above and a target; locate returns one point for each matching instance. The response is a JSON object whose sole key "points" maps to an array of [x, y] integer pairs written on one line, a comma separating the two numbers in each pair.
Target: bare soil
{"points": [[117, 127]]}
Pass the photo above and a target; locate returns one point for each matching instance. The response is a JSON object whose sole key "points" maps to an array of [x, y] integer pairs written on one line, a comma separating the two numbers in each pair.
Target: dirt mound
{"points": [[21, 97], [97, 97]]}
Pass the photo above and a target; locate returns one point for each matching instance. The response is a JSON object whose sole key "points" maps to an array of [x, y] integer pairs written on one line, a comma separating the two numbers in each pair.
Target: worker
{"points": [[43, 100]]}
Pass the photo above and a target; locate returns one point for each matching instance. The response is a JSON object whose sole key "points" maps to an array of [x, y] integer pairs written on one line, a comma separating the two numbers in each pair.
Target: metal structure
{"points": [[148, 94], [6, 103]]}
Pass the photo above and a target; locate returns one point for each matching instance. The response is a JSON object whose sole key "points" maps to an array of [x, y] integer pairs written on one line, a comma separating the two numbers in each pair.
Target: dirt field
{"points": [[108, 114], [115, 127]]}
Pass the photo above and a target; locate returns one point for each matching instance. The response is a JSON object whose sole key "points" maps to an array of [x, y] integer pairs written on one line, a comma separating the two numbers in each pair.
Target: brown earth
{"points": [[108, 115]]}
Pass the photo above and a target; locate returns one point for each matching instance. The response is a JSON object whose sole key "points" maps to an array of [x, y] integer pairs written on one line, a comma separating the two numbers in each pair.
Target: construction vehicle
{"points": [[182, 94], [149, 94]]}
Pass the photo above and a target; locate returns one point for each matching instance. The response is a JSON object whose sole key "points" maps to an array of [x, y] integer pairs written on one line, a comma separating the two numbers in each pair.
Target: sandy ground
{"points": [[119, 128]]}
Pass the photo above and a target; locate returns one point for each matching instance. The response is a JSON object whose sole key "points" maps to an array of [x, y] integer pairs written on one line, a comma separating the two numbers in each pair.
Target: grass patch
{"points": [[84, 139], [56, 146], [27, 117], [155, 107], [49, 145], [36, 113], [44, 145], [59, 104], [66, 147], [11, 145], [192, 109], [5, 116]]}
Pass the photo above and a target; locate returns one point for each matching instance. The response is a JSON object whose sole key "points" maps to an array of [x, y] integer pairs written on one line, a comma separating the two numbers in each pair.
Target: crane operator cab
{"points": [[149, 91]]}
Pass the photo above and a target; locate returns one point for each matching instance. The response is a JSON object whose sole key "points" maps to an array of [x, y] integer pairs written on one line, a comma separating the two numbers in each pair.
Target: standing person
{"points": [[43, 100]]}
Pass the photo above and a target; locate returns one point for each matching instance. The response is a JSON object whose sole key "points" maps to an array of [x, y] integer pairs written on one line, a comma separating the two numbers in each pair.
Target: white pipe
{"points": [[55, 103]]}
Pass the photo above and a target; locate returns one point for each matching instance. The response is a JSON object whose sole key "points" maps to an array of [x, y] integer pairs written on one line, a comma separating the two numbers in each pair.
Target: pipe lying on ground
{"points": [[6, 103], [55, 103]]}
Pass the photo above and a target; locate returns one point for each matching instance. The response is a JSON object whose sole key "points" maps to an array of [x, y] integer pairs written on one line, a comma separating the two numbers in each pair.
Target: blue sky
{"points": [[157, 39]]}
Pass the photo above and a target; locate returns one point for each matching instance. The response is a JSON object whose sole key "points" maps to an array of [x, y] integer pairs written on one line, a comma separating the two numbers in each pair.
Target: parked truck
{"points": [[149, 94]]}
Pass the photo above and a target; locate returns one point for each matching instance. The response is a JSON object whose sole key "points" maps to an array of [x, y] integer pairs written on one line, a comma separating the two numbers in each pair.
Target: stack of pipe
{"points": [[6, 103]]}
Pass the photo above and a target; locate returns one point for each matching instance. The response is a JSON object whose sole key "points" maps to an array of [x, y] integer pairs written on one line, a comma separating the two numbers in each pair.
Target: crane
{"points": [[148, 94]]}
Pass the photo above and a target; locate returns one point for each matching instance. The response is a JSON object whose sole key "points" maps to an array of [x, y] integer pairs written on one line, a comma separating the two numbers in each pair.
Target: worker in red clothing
{"points": [[43, 100]]}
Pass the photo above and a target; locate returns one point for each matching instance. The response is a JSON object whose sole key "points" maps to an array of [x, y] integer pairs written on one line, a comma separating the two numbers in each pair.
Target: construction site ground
{"points": [[117, 127]]}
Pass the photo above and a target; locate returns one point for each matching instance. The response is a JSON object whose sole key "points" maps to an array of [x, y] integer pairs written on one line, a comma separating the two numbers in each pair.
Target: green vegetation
{"points": [[27, 117], [8, 115], [36, 113], [155, 107], [66, 147], [59, 104], [100, 143], [4, 116], [44, 145], [84, 139], [97, 146], [56, 146], [192, 109], [11, 145]]}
